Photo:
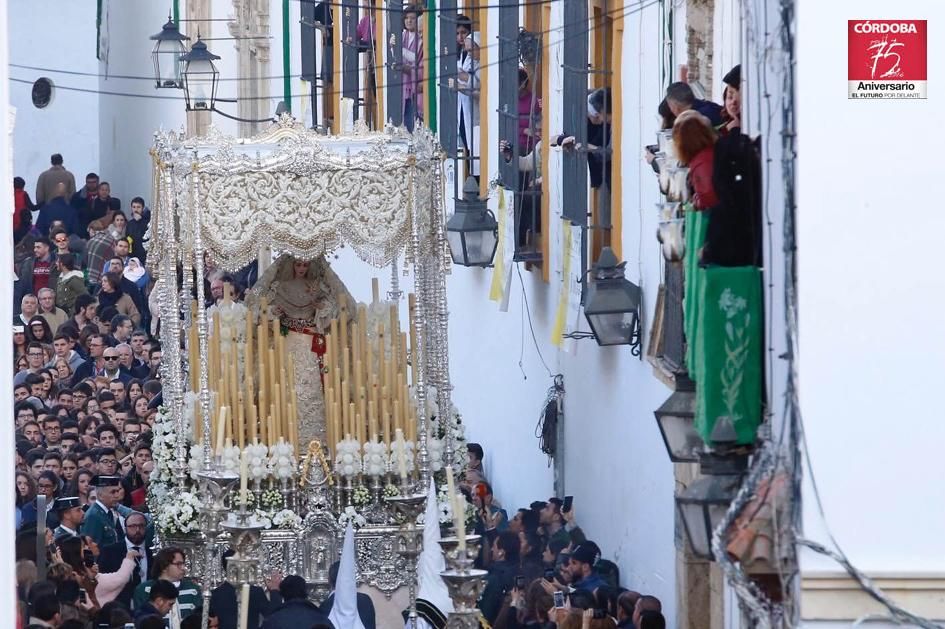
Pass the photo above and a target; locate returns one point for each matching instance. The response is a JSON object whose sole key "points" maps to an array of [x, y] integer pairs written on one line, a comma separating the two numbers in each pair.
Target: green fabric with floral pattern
{"points": [[728, 352]]}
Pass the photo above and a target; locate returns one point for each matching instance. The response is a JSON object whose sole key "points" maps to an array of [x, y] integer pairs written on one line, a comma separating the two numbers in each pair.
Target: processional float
{"points": [[231, 414]]}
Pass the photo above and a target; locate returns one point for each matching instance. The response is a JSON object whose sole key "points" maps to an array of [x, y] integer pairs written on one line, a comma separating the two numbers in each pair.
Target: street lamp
{"points": [[702, 506], [612, 307], [472, 231], [676, 421], [200, 78], [166, 55]]}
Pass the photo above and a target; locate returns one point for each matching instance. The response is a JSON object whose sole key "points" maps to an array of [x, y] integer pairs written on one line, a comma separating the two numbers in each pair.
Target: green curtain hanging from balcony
{"points": [[728, 354], [696, 224]]}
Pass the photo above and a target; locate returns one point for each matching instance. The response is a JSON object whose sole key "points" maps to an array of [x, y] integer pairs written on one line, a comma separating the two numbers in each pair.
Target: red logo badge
{"points": [[887, 59]]}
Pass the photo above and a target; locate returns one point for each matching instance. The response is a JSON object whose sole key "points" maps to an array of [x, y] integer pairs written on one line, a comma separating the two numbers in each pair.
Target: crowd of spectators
{"points": [[544, 572], [86, 392]]}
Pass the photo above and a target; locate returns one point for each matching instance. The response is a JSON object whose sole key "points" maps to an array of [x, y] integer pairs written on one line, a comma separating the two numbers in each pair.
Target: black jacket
{"points": [[365, 609], [295, 614], [223, 601], [499, 582], [109, 560]]}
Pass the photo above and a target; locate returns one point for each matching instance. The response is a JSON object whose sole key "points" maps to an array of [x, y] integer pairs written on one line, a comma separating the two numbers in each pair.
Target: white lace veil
{"points": [[282, 270]]}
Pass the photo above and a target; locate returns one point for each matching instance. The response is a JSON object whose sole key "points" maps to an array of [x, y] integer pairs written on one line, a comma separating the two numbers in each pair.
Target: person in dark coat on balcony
{"points": [[680, 98]]}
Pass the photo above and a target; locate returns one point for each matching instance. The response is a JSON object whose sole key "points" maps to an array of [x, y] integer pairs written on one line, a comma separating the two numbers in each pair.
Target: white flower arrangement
{"points": [[195, 461], [391, 491], [232, 320], [179, 513], [361, 496], [435, 448], [286, 519], [263, 518], [271, 499], [408, 456], [348, 457], [375, 458], [351, 515], [231, 458], [258, 460], [282, 460]]}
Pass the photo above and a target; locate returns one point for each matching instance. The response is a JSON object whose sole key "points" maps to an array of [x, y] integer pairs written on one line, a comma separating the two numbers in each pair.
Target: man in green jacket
{"points": [[105, 520], [170, 564]]}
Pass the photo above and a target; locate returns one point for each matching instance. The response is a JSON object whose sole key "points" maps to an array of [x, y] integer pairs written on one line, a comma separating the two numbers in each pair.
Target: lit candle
{"points": [[244, 606]]}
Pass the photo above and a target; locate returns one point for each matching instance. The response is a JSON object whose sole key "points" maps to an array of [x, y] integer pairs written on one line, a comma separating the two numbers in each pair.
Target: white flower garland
{"points": [[375, 458], [282, 460], [258, 461], [408, 457], [348, 457]]}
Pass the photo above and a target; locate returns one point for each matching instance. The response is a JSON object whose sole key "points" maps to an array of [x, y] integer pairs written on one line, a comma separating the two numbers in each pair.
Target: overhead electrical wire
{"points": [[623, 11]]}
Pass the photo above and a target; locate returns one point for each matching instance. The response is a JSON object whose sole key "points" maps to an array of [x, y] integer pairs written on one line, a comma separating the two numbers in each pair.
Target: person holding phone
{"points": [[491, 517], [502, 572], [581, 567]]}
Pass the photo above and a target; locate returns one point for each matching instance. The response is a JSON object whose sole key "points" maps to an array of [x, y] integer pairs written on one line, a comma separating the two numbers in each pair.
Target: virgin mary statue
{"points": [[305, 296]]}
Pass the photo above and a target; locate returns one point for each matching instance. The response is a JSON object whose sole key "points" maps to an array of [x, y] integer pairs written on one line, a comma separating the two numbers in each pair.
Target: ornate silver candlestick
{"points": [[465, 583], [214, 485], [450, 546], [411, 541]]}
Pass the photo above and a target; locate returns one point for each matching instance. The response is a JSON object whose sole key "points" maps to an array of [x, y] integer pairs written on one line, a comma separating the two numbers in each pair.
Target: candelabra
{"points": [[409, 507], [214, 485], [243, 566], [465, 583]]}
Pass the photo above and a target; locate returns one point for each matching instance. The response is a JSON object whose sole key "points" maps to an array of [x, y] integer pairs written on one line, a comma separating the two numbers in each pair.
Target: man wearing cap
{"points": [[105, 520], [581, 567], [70, 518]]}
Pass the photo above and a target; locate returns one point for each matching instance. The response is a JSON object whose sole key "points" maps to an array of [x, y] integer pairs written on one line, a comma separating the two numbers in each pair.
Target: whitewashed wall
{"points": [[69, 125], [870, 298]]}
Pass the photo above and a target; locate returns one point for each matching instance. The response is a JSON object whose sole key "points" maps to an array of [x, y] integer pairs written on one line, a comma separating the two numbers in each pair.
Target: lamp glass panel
{"points": [[681, 435], [455, 240], [694, 519], [612, 328], [167, 54], [200, 75]]}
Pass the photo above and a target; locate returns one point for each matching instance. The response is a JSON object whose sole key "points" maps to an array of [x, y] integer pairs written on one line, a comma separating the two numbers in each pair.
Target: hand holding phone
{"points": [[568, 502], [559, 599]]}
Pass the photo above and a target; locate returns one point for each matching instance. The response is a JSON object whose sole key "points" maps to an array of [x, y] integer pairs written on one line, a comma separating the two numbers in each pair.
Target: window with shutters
{"points": [[519, 118]]}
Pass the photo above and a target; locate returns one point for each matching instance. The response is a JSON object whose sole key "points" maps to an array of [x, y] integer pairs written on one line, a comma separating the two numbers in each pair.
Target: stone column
{"points": [[198, 16]]}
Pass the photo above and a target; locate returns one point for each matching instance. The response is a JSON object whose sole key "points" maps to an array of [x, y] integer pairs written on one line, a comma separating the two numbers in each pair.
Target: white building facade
{"points": [[105, 109]]}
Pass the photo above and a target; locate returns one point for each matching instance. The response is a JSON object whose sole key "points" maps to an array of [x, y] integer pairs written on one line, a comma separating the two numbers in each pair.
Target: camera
{"points": [[88, 558], [520, 582], [550, 575]]}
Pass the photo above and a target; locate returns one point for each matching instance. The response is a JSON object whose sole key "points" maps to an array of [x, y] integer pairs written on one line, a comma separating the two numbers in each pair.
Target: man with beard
{"points": [[113, 555]]}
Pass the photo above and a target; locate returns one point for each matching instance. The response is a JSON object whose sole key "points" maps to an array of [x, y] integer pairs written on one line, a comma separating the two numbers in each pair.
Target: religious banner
{"points": [[502, 269], [728, 351]]}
